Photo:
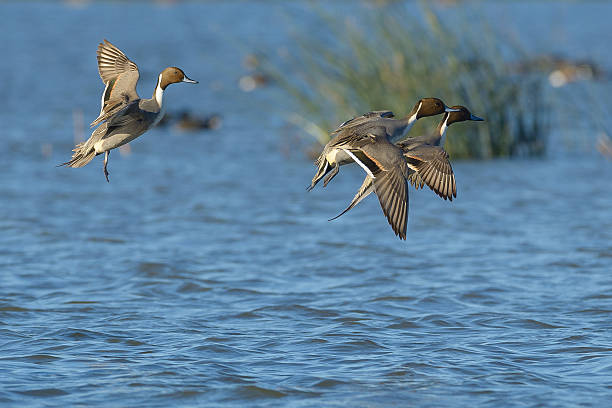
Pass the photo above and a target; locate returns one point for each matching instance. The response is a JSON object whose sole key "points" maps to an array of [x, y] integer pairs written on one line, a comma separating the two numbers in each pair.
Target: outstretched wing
{"points": [[120, 76], [391, 188], [387, 172], [432, 167]]}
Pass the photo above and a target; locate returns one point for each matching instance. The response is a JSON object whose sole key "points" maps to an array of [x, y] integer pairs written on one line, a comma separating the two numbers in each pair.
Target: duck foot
{"points": [[106, 154]]}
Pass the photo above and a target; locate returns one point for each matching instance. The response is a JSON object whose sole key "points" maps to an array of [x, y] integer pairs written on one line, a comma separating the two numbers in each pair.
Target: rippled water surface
{"points": [[204, 274]]}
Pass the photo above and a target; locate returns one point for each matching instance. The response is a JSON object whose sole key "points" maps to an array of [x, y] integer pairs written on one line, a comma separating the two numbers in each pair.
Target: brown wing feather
{"points": [[120, 76], [112, 63], [392, 191], [432, 167]]}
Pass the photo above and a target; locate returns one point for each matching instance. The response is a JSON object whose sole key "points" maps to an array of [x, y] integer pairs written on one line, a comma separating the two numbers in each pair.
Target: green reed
{"points": [[389, 57]]}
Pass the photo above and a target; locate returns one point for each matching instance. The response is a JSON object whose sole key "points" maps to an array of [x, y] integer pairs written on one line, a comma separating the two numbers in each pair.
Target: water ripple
{"points": [[188, 281]]}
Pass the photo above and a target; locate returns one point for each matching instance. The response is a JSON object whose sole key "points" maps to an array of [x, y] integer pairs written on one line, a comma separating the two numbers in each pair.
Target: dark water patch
{"points": [[328, 383], [404, 325], [598, 296], [256, 392], [441, 321], [566, 264], [297, 310], [154, 269], [533, 324], [15, 309], [577, 337], [480, 298], [37, 358], [245, 315], [74, 334], [107, 240], [183, 394], [394, 299], [581, 350], [43, 392], [192, 287], [594, 312]]}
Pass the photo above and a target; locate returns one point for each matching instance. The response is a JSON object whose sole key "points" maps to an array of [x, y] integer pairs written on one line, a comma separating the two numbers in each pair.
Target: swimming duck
{"points": [[337, 151], [427, 163], [123, 115]]}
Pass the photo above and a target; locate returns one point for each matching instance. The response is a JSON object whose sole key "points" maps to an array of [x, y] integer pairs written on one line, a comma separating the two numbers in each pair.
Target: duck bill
{"points": [[189, 80], [476, 118], [447, 109]]}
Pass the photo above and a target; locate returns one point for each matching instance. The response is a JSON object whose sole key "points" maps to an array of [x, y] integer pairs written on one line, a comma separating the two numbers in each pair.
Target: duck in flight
{"points": [[420, 160], [337, 151], [123, 115]]}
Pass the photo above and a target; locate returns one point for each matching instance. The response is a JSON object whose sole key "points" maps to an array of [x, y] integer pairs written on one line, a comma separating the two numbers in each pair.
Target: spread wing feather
{"points": [[120, 76], [432, 167], [392, 191]]}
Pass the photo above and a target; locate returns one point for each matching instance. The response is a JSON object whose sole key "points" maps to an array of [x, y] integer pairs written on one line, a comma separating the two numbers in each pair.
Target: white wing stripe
{"points": [[363, 166]]}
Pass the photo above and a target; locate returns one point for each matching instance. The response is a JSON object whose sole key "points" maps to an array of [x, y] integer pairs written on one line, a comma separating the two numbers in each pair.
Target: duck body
{"points": [[123, 127]]}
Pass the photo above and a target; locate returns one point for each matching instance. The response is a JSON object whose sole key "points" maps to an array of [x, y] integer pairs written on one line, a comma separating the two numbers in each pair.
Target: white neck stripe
{"points": [[159, 92], [443, 131], [414, 118]]}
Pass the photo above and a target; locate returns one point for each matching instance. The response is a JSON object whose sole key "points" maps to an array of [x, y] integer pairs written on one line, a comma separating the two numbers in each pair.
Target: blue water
{"points": [[205, 275]]}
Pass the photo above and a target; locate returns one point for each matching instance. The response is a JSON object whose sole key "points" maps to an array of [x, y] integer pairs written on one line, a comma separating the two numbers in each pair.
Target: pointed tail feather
{"points": [[322, 170], [364, 191], [83, 154]]}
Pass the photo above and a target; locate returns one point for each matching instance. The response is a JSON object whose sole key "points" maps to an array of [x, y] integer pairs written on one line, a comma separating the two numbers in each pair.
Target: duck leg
{"points": [[106, 154]]}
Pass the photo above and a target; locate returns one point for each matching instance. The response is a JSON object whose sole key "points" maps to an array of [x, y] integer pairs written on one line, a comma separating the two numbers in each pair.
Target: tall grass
{"points": [[390, 56]]}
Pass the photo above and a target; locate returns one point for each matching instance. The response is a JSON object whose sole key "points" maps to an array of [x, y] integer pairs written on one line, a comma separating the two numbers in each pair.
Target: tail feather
{"points": [[83, 154], [323, 168]]}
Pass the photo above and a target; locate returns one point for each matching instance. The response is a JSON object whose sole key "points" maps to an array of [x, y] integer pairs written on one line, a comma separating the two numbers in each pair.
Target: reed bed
{"points": [[388, 57]]}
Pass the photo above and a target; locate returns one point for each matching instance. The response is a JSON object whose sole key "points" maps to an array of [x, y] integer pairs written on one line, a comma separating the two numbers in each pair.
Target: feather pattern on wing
{"points": [[120, 76], [432, 168]]}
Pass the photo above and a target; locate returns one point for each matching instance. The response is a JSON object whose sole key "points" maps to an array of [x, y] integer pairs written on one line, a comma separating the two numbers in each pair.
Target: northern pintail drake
{"points": [[381, 123], [460, 114], [428, 159], [123, 115], [427, 163]]}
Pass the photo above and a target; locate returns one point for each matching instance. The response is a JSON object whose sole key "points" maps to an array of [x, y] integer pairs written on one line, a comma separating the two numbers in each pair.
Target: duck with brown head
{"points": [[170, 75], [427, 107], [423, 162], [123, 115], [428, 159], [352, 132], [459, 114]]}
